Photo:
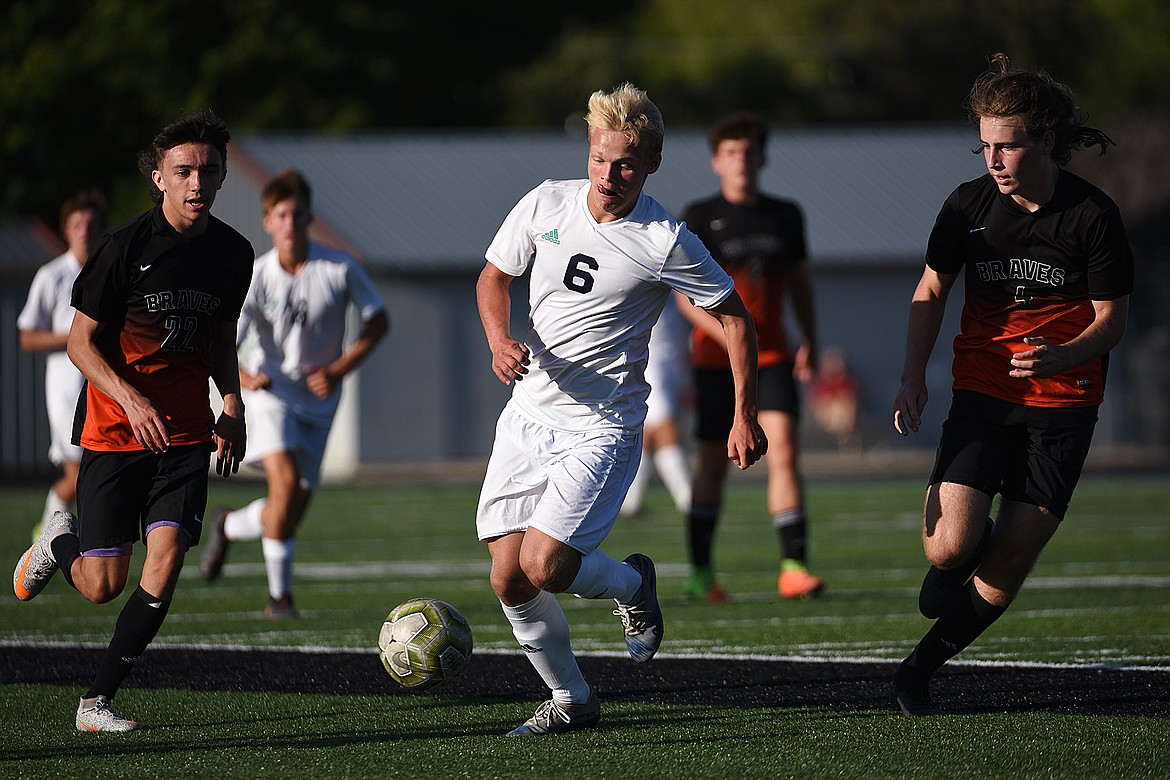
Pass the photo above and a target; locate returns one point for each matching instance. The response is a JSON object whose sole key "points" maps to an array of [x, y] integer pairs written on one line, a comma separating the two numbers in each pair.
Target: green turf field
{"points": [[1097, 597]]}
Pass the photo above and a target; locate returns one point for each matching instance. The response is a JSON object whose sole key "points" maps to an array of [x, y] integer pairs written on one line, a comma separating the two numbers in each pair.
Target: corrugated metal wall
{"points": [[24, 424]]}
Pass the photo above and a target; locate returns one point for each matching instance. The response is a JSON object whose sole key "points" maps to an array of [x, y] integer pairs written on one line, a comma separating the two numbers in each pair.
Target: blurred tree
{"points": [[84, 85], [853, 60]]}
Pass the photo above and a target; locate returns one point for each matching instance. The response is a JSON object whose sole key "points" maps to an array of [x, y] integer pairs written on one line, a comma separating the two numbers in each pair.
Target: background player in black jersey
{"points": [[157, 305], [759, 240], [1048, 273]]}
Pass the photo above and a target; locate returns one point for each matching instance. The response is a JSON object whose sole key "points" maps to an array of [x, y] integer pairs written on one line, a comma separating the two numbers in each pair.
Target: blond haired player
{"points": [[602, 258]]}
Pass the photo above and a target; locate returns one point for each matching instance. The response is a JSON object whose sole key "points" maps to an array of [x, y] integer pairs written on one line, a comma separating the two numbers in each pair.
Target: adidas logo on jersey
{"points": [[551, 236]]}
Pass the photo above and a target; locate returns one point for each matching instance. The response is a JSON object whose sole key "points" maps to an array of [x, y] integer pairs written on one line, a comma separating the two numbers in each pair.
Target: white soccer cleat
{"points": [[642, 619], [37, 566], [98, 714], [553, 718]]}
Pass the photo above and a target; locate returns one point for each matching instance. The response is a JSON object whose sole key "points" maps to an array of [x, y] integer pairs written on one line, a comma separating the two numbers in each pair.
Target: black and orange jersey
{"points": [[1030, 274], [756, 245], [159, 296]]}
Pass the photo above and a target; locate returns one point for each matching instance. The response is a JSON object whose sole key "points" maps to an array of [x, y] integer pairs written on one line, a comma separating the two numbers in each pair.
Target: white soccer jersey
{"points": [[299, 321], [596, 290], [668, 369], [48, 308]]}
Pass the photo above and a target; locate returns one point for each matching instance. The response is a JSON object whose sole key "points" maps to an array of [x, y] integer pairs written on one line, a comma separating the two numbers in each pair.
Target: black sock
{"points": [[66, 548], [137, 624], [701, 522], [964, 619], [792, 528]]}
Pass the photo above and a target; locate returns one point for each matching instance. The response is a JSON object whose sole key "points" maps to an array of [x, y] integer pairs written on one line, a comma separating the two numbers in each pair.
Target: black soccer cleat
{"points": [[912, 693]]}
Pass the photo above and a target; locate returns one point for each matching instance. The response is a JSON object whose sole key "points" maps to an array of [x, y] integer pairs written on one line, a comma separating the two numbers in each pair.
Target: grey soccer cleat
{"points": [[553, 718], [281, 609], [642, 618], [37, 566], [97, 714], [215, 547]]}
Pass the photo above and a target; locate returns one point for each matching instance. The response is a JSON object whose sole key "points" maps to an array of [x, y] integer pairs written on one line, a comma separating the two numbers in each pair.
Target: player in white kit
{"points": [[602, 258], [297, 306], [44, 327], [669, 374]]}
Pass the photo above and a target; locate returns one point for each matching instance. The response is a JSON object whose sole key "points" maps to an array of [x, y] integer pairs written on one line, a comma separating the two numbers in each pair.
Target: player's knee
{"points": [[509, 583], [945, 556], [945, 560], [539, 571]]}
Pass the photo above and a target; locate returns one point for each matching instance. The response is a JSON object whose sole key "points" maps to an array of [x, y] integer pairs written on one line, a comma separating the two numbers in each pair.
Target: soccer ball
{"points": [[424, 643]]}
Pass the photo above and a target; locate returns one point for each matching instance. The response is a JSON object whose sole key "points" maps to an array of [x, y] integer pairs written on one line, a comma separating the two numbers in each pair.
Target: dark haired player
{"points": [[157, 306], [1048, 271], [759, 240]]}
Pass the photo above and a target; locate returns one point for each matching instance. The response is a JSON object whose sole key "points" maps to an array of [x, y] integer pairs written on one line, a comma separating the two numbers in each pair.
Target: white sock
{"points": [[53, 504], [632, 504], [671, 463], [602, 577], [541, 628], [278, 562], [245, 523]]}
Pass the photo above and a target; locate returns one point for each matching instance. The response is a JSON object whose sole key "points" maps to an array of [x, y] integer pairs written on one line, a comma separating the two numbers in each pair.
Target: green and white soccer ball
{"points": [[424, 643]]}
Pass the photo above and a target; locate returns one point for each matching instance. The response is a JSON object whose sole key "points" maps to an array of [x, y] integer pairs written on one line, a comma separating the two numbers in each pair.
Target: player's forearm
{"points": [[98, 372], [744, 358], [927, 308], [921, 334], [495, 306], [373, 331], [746, 442], [1103, 334], [43, 341], [225, 363], [804, 310]]}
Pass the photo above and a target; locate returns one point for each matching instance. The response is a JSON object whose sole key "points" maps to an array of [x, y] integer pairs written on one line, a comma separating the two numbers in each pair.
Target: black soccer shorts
{"points": [[1030, 454], [715, 398], [120, 495]]}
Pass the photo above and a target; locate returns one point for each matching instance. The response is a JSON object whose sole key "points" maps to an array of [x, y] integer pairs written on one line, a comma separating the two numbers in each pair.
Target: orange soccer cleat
{"points": [[796, 582]]}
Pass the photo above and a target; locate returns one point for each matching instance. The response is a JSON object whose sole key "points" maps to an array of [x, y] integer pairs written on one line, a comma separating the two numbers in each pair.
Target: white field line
{"points": [[822, 659], [445, 569]]}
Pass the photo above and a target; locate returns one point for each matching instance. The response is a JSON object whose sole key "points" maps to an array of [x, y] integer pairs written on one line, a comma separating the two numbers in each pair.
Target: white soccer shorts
{"points": [[273, 427], [568, 485], [669, 383], [61, 408]]}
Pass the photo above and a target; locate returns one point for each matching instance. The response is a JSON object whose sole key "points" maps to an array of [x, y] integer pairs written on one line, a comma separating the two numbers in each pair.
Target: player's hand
{"points": [[321, 382], [1043, 360], [257, 381], [804, 366], [747, 443], [908, 406], [510, 360], [151, 427], [230, 444]]}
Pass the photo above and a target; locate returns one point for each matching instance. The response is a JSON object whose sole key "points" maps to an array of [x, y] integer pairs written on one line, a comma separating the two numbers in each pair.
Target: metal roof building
{"points": [[430, 202], [419, 208]]}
